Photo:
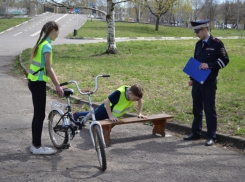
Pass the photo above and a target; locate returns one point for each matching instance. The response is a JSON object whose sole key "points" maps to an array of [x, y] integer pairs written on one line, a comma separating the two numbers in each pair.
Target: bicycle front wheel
{"points": [[58, 136], [99, 147]]}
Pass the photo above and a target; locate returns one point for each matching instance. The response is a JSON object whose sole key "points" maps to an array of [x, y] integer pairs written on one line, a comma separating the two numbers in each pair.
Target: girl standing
{"points": [[40, 72]]}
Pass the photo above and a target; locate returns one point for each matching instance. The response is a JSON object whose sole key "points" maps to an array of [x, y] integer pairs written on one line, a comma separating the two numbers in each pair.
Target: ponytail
{"points": [[47, 28]]}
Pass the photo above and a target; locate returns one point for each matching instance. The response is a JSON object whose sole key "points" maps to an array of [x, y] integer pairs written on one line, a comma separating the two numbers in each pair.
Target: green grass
{"points": [[8, 23], [157, 66], [99, 29]]}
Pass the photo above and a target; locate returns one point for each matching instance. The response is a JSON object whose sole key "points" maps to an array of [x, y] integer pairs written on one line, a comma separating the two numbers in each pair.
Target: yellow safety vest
{"points": [[123, 104], [37, 71]]}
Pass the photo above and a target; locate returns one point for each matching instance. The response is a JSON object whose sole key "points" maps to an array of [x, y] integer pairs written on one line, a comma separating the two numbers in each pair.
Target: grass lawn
{"points": [[99, 29], [8, 23], [157, 66]]}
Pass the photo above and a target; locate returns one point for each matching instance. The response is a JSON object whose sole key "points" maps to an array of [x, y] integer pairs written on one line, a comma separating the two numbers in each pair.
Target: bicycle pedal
{"points": [[66, 146], [75, 128], [81, 125]]}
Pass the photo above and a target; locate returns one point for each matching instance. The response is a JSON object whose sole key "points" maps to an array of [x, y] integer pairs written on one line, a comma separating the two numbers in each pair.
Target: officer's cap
{"points": [[198, 25]]}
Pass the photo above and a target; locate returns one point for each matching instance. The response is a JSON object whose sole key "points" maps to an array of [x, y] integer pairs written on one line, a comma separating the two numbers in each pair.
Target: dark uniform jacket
{"points": [[213, 53]]}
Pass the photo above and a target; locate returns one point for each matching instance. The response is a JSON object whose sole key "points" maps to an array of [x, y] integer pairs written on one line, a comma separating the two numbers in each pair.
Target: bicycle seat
{"points": [[68, 92]]}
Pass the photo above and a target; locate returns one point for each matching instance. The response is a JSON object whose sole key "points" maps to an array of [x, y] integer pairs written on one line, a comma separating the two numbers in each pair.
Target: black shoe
{"points": [[81, 124], [209, 142], [192, 137]]}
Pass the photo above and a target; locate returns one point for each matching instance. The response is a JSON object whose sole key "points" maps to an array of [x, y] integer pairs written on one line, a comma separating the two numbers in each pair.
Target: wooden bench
{"points": [[159, 121]]}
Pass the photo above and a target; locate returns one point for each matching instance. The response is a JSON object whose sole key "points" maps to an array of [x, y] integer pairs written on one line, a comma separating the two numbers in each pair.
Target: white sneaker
{"points": [[43, 150], [31, 148]]}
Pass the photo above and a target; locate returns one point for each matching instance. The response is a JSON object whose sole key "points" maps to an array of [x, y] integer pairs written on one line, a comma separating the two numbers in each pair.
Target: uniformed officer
{"points": [[211, 53]]}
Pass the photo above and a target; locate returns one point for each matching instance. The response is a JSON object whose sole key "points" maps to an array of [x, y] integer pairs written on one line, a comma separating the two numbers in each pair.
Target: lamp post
{"points": [[237, 15]]}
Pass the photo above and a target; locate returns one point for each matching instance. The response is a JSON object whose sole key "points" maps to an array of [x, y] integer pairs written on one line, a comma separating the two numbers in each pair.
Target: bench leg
{"points": [[159, 127], [106, 133]]}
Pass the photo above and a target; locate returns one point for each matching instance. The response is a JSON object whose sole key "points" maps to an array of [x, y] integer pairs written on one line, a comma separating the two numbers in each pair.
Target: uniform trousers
{"points": [[203, 96], [38, 91]]}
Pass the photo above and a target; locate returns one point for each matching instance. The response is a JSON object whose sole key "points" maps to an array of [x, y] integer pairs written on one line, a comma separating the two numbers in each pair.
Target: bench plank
{"points": [[159, 122]]}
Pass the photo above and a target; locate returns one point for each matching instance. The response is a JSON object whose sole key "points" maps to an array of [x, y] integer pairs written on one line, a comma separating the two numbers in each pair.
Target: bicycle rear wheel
{"points": [[58, 136], [99, 147]]}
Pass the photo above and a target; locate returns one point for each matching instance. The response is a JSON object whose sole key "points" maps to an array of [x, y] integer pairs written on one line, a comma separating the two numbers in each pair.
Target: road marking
{"points": [[1, 32], [55, 21], [35, 33], [61, 17], [9, 29], [17, 33]]}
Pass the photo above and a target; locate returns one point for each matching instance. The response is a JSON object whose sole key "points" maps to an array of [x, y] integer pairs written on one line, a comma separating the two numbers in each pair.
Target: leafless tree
{"points": [[159, 8], [243, 14], [210, 10], [111, 43], [227, 12], [198, 6]]}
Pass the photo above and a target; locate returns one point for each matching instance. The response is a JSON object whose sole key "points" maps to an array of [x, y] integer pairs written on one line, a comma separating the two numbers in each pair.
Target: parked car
{"points": [[228, 26], [90, 16]]}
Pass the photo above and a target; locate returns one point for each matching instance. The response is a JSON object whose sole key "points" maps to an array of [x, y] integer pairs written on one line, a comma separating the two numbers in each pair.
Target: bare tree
{"points": [[159, 8], [181, 6], [228, 11], [138, 6], [210, 10], [197, 8], [243, 14], [111, 44]]}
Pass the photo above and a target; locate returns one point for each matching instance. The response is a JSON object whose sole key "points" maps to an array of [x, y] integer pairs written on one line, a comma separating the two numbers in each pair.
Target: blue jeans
{"points": [[100, 113]]}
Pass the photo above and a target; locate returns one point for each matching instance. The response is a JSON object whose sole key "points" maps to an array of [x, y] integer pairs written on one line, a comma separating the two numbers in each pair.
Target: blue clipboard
{"points": [[192, 69]]}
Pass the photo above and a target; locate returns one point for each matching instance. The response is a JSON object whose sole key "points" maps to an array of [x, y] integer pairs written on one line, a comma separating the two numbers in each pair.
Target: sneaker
{"points": [[31, 148], [43, 150]]}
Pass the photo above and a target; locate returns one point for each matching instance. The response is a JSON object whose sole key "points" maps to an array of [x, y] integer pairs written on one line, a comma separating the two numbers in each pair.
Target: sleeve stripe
{"points": [[221, 63]]}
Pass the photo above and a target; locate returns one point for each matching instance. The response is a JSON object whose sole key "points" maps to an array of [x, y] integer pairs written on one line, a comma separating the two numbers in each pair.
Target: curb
{"points": [[152, 38], [226, 140]]}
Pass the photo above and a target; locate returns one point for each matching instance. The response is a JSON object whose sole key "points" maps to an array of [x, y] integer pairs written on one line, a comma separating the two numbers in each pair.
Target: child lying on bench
{"points": [[116, 105]]}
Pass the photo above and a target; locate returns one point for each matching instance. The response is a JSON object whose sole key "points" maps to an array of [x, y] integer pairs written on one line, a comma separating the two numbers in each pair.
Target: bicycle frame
{"points": [[94, 122], [91, 109]]}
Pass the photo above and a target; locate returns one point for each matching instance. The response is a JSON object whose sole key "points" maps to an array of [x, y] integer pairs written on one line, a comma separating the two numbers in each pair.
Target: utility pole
{"points": [[238, 9]]}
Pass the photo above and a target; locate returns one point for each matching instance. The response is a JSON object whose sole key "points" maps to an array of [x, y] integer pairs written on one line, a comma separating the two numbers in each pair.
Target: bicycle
{"points": [[63, 128]]}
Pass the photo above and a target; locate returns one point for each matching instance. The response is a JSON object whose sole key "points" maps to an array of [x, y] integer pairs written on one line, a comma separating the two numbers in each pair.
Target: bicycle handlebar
{"points": [[65, 83], [87, 92]]}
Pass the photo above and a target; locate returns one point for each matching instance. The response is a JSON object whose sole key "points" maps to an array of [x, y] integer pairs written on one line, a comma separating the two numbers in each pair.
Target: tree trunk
{"points": [[111, 44], [157, 23]]}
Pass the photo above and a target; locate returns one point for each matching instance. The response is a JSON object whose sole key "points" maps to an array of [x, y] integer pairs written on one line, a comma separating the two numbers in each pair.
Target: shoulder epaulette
{"points": [[216, 39]]}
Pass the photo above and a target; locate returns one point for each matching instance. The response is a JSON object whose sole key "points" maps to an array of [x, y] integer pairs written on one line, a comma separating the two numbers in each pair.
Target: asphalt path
{"points": [[134, 155]]}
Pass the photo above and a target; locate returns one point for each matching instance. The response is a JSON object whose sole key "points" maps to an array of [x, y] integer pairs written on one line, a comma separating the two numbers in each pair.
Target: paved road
{"points": [[135, 155]]}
